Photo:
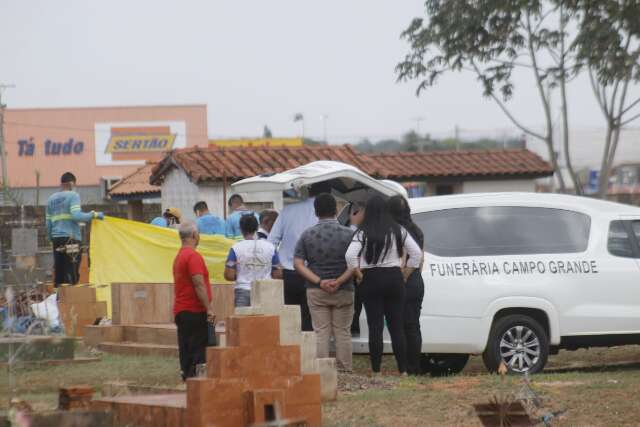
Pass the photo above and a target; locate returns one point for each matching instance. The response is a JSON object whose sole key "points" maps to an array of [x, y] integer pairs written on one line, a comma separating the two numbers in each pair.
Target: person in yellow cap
{"points": [[170, 218]]}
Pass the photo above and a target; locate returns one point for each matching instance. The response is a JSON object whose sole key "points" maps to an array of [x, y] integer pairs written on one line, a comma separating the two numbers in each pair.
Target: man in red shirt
{"points": [[192, 302]]}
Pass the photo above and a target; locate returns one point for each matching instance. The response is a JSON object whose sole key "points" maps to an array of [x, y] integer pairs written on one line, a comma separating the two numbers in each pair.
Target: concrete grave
{"points": [[254, 380], [267, 299]]}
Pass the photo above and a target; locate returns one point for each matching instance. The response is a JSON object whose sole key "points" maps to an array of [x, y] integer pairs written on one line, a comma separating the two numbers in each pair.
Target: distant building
{"points": [[188, 175], [100, 145]]}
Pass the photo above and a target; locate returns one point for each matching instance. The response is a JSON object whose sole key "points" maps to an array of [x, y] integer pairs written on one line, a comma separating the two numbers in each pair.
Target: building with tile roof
{"points": [[186, 176]]}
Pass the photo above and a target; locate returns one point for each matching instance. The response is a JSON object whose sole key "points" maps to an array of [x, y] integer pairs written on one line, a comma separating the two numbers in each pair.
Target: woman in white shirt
{"points": [[378, 250]]}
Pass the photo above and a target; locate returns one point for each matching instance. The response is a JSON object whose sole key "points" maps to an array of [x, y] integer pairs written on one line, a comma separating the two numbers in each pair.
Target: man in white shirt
{"points": [[249, 260], [291, 223]]}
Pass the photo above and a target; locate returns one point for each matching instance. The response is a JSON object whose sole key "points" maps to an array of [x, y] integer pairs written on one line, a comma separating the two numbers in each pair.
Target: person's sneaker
{"points": [[404, 374]]}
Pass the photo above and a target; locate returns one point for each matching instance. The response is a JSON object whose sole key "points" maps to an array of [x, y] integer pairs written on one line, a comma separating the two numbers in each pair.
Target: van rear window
{"points": [[503, 230]]}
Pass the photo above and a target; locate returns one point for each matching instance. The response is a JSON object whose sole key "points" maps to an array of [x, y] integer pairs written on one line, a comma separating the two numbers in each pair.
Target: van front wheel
{"points": [[520, 342]]}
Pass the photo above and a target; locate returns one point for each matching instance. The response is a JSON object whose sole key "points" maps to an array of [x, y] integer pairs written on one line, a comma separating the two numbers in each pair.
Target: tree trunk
{"points": [[577, 187], [555, 165], [603, 179]]}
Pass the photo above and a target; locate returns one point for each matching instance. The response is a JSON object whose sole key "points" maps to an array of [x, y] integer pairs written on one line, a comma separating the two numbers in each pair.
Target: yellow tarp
{"points": [[135, 252]]}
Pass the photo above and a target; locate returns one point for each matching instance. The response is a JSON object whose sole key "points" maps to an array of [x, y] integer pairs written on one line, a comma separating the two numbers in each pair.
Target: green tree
{"points": [[491, 38], [608, 44]]}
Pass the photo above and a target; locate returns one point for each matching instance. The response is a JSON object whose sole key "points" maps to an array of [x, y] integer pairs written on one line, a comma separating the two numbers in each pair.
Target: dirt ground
{"points": [[597, 387]]}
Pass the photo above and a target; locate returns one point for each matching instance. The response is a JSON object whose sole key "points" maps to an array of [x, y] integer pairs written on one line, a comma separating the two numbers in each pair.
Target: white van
{"points": [[512, 276], [518, 276]]}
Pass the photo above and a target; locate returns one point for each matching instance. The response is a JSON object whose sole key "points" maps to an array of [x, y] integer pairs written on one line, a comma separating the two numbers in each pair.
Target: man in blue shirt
{"points": [[207, 222], [237, 207], [63, 216]]}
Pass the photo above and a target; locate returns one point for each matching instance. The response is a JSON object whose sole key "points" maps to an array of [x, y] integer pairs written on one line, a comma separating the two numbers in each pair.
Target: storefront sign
{"points": [[140, 143], [133, 143], [27, 147]]}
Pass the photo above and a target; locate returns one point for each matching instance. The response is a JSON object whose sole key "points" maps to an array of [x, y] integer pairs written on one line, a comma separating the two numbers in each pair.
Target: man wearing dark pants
{"points": [[192, 301], [63, 216], [291, 223]]}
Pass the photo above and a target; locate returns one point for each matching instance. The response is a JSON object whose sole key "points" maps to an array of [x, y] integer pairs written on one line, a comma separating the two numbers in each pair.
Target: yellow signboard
{"points": [[140, 143], [256, 142]]}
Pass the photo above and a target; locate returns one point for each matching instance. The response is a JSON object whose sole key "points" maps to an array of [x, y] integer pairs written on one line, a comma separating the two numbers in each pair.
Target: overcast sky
{"points": [[253, 62]]}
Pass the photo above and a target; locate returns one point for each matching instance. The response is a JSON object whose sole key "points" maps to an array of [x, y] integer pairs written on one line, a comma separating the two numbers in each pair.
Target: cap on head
{"points": [[173, 212], [67, 178]]}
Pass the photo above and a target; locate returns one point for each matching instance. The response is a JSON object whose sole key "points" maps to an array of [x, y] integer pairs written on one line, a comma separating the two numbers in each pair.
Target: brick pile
{"points": [[253, 380]]}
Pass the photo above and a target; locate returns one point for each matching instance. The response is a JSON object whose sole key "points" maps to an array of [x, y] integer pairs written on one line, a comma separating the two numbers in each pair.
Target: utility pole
{"points": [[421, 141], [418, 120], [3, 151], [456, 132]]}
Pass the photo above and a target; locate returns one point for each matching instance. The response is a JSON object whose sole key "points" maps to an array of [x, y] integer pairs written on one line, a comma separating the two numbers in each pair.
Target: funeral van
{"points": [[518, 276], [511, 276]]}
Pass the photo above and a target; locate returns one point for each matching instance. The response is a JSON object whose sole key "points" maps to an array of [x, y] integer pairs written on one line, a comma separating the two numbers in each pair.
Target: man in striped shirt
{"points": [[63, 217]]}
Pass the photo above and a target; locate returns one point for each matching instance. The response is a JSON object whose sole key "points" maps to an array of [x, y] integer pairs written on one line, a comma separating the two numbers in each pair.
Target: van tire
{"points": [[440, 365], [526, 335]]}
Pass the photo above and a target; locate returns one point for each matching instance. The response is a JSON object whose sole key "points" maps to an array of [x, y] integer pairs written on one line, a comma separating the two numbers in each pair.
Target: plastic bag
{"points": [[48, 310]]}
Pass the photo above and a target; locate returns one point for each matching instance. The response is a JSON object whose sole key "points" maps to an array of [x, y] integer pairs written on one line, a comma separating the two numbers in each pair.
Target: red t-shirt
{"points": [[188, 263]]}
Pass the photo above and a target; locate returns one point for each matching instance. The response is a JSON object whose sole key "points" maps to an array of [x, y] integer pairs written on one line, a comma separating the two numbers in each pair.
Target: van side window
{"points": [[619, 240], [503, 230]]}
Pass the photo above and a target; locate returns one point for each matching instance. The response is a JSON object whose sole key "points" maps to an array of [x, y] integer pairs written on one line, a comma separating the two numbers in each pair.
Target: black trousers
{"points": [[383, 297], [192, 341], [357, 309], [66, 266], [295, 293], [414, 294]]}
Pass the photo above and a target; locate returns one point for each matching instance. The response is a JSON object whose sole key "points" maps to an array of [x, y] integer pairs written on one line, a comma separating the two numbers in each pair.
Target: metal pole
{"points": [[3, 152]]}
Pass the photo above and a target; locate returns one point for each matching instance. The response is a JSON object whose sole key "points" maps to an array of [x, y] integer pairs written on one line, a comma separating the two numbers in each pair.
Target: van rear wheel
{"points": [[440, 364], [520, 342]]}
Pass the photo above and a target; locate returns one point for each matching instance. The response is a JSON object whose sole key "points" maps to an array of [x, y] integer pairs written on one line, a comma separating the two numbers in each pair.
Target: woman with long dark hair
{"points": [[414, 289], [378, 249]]}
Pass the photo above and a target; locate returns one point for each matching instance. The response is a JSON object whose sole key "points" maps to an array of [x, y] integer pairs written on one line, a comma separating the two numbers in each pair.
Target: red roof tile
{"points": [[460, 163], [213, 164], [136, 184]]}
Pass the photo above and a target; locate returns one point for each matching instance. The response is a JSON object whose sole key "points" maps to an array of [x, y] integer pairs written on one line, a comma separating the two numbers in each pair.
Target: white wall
{"points": [[215, 197], [179, 192], [498, 185]]}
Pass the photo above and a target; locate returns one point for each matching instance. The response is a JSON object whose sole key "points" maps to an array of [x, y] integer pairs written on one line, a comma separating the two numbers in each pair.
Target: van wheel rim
{"points": [[520, 348]]}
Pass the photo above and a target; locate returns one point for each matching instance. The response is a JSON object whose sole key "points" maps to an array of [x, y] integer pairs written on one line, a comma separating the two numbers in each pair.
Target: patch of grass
{"points": [[599, 388], [42, 380]]}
